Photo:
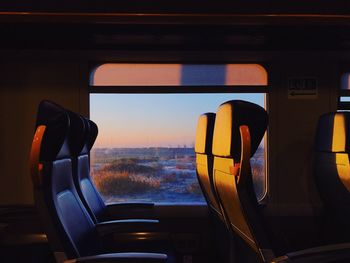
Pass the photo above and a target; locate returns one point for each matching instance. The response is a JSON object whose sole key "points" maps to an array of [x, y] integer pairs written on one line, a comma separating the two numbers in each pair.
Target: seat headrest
{"points": [[229, 117], [204, 133], [92, 134], [333, 132], [78, 133], [56, 120]]}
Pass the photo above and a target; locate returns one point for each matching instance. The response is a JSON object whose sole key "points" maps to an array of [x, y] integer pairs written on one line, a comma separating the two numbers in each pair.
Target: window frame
{"points": [[343, 68], [343, 105], [183, 89]]}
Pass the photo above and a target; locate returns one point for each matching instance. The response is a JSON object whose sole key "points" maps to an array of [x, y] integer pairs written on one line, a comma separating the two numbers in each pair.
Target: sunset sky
{"points": [[163, 120], [154, 120]]}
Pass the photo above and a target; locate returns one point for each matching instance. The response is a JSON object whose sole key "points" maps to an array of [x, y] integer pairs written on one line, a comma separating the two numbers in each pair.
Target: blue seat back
{"points": [[69, 227], [83, 138]]}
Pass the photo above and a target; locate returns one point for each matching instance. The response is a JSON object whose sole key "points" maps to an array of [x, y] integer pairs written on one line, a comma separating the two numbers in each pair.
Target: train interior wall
{"points": [[292, 204]]}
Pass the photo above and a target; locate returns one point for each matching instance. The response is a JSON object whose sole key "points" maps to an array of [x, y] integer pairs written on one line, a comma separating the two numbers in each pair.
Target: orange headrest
{"points": [[204, 133], [229, 117]]}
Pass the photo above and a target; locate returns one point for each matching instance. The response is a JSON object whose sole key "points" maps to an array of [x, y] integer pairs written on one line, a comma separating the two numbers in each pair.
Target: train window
{"points": [[112, 74], [145, 147], [344, 93], [344, 99], [345, 85]]}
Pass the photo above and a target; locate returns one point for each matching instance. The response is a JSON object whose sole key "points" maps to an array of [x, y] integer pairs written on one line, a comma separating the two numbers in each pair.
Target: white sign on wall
{"points": [[302, 88]]}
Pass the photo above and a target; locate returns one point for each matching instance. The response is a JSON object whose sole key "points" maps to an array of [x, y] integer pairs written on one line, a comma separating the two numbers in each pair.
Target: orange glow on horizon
{"points": [[140, 140]]}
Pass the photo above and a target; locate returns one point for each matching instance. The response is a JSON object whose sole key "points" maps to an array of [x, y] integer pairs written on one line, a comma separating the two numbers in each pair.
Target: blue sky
{"points": [[154, 120]]}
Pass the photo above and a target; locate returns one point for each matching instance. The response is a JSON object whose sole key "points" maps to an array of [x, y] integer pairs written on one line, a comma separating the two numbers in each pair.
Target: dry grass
{"points": [[120, 183], [169, 178], [258, 174], [180, 166], [194, 188], [185, 175], [129, 167]]}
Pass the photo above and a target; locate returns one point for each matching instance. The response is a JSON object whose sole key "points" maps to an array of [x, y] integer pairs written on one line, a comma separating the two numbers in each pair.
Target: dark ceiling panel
{"points": [[173, 37], [180, 6]]}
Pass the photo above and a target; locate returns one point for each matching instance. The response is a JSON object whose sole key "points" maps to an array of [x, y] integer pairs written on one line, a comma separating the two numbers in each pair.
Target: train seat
{"points": [[204, 160], [204, 170], [70, 230], [332, 171], [84, 133], [239, 128], [85, 136]]}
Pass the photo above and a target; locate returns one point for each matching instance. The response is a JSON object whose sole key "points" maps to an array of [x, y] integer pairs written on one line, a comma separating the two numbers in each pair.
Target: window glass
{"points": [[344, 98], [344, 93], [145, 147], [345, 84], [123, 74]]}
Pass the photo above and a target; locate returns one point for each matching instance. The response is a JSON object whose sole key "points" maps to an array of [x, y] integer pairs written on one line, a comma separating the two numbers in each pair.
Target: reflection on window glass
{"points": [[345, 83], [145, 147], [344, 99], [123, 74]]}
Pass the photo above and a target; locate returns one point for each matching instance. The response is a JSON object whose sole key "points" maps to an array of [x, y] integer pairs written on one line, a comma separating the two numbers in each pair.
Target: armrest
{"points": [[122, 258], [127, 225], [130, 205], [130, 210], [317, 254]]}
